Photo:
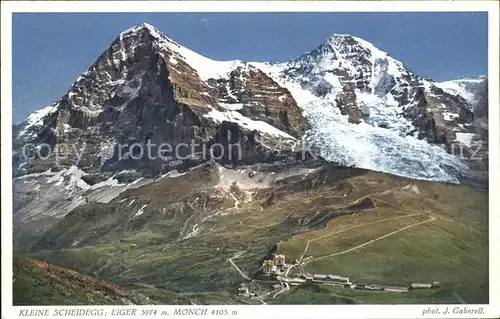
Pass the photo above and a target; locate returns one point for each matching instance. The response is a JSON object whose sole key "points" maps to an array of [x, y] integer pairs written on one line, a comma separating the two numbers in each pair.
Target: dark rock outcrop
{"points": [[346, 102]]}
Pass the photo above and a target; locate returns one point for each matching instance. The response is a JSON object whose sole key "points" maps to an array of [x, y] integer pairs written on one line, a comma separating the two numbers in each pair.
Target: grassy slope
{"points": [[177, 267], [39, 283], [453, 252], [452, 249], [443, 251], [315, 294]]}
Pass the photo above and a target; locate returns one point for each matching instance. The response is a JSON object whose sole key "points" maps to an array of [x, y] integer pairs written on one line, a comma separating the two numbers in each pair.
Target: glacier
{"points": [[375, 148]]}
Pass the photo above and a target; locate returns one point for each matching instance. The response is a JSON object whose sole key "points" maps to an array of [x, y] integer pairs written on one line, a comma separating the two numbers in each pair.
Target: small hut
{"points": [[242, 289], [436, 284]]}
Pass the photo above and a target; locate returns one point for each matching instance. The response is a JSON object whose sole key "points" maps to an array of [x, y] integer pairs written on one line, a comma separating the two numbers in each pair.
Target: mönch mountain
{"points": [[340, 137]]}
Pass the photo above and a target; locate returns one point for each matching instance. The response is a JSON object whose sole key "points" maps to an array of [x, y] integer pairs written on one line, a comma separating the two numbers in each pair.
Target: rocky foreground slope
{"points": [[60, 286]]}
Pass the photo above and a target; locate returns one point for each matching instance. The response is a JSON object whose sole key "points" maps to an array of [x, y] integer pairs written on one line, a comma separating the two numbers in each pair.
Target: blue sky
{"points": [[50, 50]]}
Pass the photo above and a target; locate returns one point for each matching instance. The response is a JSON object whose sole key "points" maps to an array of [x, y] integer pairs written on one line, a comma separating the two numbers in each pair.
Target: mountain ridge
{"points": [[344, 73]]}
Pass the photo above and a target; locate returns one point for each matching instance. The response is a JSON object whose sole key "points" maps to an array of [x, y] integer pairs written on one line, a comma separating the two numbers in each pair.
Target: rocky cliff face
{"points": [[146, 87], [259, 98], [346, 102]]}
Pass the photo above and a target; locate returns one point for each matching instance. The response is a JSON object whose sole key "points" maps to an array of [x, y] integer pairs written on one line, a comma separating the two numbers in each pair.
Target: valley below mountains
{"points": [[347, 164]]}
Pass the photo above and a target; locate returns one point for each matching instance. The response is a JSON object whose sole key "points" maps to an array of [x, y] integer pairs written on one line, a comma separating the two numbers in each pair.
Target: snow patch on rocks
{"points": [[245, 122], [465, 138]]}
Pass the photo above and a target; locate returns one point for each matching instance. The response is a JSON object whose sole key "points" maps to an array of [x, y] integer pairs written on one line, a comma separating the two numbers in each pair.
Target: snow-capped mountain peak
{"points": [[205, 67], [34, 121], [344, 58], [468, 88], [142, 27], [363, 106]]}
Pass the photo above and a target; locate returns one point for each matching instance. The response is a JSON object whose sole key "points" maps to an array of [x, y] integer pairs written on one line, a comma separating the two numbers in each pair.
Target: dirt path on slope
{"points": [[432, 218], [242, 274], [351, 227]]}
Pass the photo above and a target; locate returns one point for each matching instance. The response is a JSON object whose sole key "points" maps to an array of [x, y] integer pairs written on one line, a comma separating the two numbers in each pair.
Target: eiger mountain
{"points": [[383, 141]]}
